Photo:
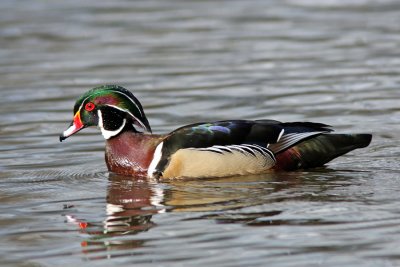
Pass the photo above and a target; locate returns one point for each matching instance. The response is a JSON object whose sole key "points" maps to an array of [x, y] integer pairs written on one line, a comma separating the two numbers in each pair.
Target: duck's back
{"points": [[225, 148]]}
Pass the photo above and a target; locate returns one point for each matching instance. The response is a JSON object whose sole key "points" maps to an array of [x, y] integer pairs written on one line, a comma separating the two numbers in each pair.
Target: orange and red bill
{"points": [[76, 126]]}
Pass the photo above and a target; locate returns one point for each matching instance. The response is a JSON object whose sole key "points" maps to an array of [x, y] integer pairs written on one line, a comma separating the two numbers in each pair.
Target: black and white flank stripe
{"points": [[245, 149]]}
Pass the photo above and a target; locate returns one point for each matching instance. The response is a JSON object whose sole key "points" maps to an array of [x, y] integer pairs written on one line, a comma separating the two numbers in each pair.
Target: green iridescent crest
{"points": [[116, 97]]}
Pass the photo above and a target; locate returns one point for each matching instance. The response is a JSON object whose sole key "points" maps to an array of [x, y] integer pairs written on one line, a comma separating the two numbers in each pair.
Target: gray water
{"points": [[335, 62]]}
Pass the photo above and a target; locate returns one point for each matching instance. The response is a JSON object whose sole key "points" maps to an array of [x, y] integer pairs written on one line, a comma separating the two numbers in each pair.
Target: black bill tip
{"points": [[62, 137]]}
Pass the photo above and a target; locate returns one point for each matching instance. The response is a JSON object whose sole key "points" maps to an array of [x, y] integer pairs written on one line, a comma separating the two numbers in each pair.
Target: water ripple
{"points": [[330, 61]]}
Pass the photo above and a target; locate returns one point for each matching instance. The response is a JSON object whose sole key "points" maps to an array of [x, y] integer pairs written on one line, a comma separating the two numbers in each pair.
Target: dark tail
{"points": [[321, 149]]}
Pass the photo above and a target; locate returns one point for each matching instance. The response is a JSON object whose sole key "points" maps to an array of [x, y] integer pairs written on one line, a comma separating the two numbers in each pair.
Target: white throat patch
{"points": [[106, 133]]}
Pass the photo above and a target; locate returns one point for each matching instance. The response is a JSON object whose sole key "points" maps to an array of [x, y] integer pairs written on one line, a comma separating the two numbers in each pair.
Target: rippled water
{"points": [[335, 62]]}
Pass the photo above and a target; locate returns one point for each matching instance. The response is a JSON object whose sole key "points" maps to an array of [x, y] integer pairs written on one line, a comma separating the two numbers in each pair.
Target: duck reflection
{"points": [[132, 203], [230, 193]]}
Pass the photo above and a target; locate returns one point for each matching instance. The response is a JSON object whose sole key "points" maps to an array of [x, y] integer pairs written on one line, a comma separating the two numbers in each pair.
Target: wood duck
{"points": [[209, 149]]}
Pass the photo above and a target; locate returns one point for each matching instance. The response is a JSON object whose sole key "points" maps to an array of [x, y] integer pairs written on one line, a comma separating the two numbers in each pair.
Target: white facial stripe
{"points": [[106, 133], [156, 159], [115, 91], [100, 124], [127, 111], [130, 100], [82, 103]]}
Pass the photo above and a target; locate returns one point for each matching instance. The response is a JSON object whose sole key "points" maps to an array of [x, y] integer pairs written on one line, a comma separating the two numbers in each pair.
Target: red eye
{"points": [[89, 106]]}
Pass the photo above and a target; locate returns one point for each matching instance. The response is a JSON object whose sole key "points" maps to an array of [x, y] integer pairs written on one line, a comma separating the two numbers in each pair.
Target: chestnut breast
{"points": [[130, 153]]}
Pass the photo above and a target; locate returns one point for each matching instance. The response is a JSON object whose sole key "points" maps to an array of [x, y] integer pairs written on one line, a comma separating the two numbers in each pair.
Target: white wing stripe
{"points": [[280, 135], [289, 140]]}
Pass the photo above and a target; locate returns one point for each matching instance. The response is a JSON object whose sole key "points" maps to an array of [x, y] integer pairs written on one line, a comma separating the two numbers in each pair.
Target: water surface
{"points": [[187, 61]]}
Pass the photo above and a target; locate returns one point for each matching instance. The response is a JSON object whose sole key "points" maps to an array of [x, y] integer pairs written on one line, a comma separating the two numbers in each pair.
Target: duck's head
{"points": [[110, 107]]}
